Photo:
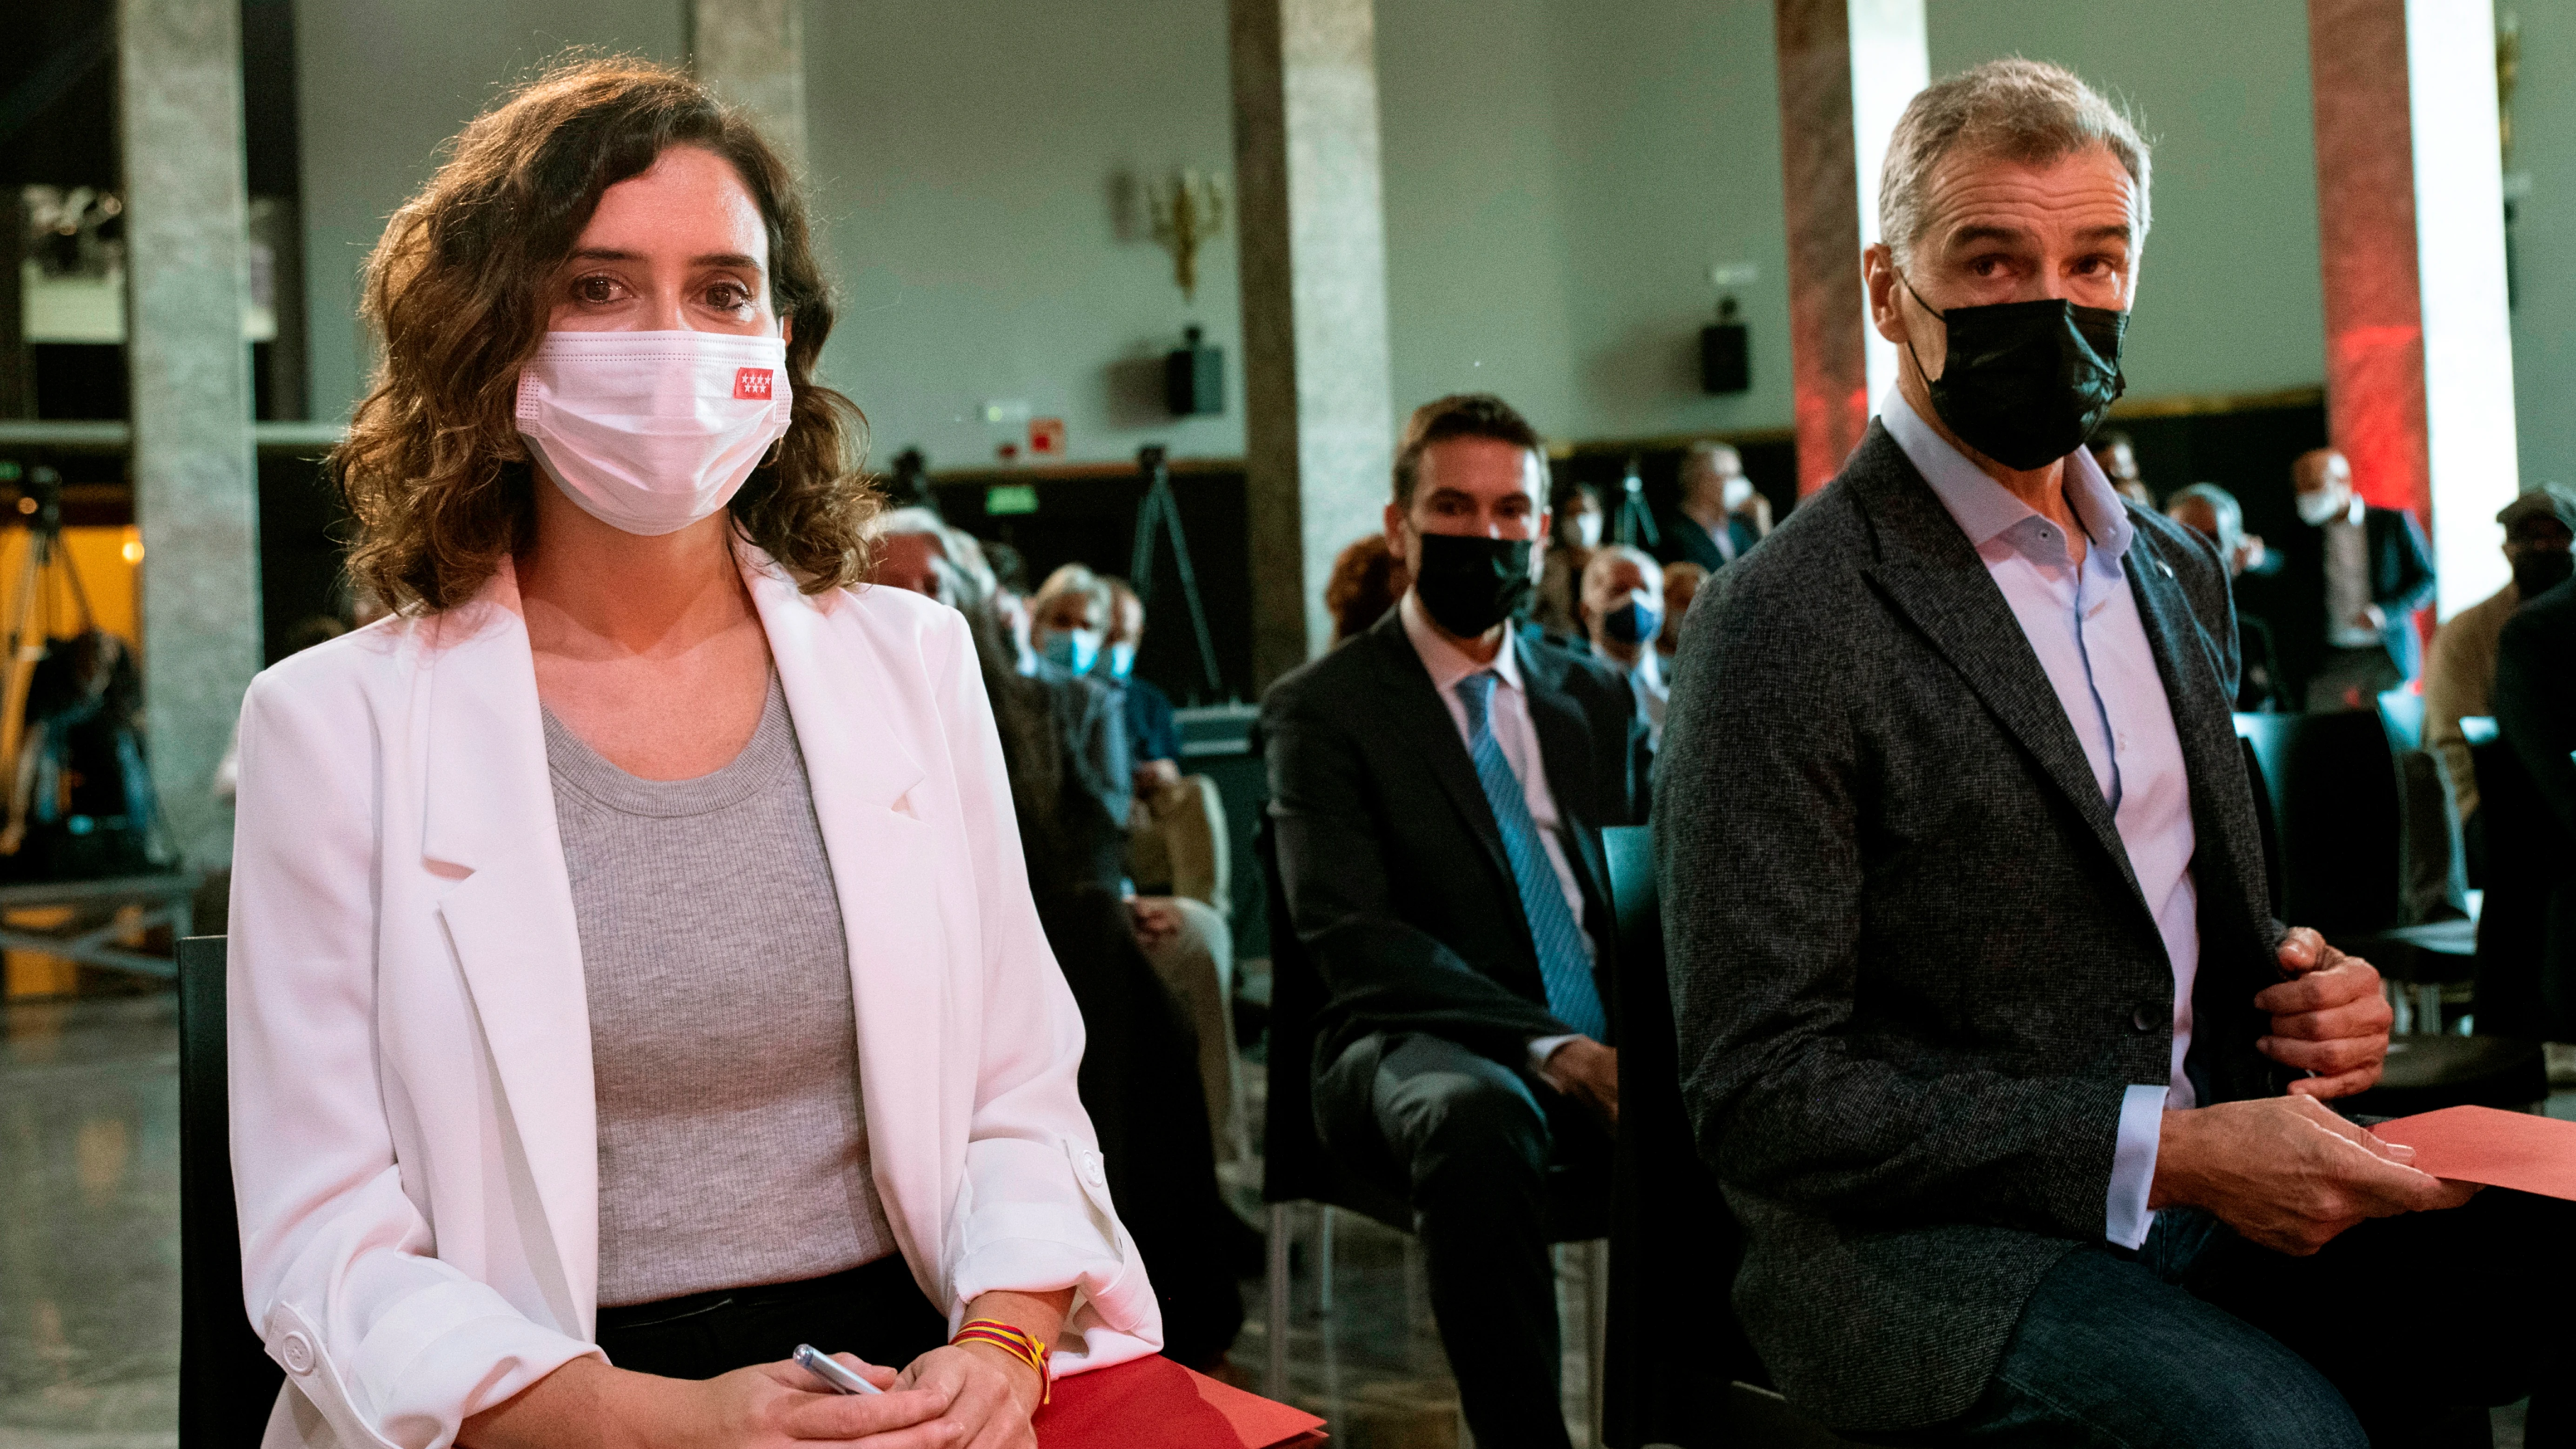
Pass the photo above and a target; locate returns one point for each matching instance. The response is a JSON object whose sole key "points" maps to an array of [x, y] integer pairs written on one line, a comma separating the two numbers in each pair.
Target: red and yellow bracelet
{"points": [[1014, 1342]]}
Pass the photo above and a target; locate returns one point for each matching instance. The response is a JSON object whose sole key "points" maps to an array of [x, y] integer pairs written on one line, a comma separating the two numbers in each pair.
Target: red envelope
{"points": [[2497, 1148], [1154, 1403]]}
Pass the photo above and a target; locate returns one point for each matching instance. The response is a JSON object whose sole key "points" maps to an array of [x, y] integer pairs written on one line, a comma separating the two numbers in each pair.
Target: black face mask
{"points": [[2026, 383], [1470, 584], [2537, 571]]}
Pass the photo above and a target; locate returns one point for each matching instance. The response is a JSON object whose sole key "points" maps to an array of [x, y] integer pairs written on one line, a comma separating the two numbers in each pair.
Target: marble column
{"points": [[753, 53], [1319, 428], [196, 490], [2410, 221], [1847, 68]]}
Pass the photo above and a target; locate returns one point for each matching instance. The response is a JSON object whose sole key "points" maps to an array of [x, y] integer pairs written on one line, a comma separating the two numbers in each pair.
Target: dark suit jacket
{"points": [[2292, 599], [1392, 863], [1153, 728], [1682, 540], [1912, 972], [2527, 933]]}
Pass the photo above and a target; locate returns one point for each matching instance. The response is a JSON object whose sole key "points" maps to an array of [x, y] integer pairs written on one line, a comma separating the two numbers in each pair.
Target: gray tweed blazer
{"points": [[1912, 971]]}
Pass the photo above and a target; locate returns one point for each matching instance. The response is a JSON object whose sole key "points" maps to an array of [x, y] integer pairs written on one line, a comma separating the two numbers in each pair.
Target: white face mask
{"points": [[1587, 528], [1739, 491], [651, 431], [2323, 506]]}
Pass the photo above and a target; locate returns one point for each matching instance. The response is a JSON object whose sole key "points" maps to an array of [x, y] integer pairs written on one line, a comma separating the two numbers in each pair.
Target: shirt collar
{"points": [[1446, 662], [1985, 509]]}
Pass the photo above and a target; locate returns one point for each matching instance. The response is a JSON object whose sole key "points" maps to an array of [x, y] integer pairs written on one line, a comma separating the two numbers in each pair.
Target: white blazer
{"points": [[413, 1123]]}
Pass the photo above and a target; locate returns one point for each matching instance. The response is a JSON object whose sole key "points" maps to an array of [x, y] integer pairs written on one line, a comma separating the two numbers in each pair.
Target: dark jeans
{"points": [[1468, 1142], [2398, 1334], [874, 1311]]}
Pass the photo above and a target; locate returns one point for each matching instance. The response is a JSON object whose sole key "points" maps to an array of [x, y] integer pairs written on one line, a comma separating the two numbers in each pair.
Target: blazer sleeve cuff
{"points": [[1038, 1242], [2133, 1166], [422, 1369]]}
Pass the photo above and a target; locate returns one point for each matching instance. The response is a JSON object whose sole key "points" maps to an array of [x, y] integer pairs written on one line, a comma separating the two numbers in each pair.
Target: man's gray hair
{"points": [[2222, 505], [2015, 110]]}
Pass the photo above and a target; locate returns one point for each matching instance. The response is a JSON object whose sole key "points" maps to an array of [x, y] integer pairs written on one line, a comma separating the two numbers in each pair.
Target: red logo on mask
{"points": [[751, 384]]}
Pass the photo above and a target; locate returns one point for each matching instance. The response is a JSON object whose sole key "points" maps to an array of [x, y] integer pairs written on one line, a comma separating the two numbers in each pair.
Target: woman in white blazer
{"points": [[626, 536]]}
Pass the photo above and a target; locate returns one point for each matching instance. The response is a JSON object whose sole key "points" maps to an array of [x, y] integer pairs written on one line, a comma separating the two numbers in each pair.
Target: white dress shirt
{"points": [[1509, 718], [2082, 622]]}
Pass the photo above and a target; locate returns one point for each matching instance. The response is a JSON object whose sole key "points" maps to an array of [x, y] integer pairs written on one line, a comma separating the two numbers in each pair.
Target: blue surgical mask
{"points": [[1119, 662], [1633, 622], [1076, 649]]}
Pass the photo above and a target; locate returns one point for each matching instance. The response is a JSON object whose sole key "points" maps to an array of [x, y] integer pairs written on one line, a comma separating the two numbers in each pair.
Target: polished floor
{"points": [[89, 1260]]}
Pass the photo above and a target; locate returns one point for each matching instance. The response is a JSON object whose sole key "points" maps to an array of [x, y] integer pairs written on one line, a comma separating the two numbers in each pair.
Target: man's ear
{"points": [[1878, 281], [1395, 530]]}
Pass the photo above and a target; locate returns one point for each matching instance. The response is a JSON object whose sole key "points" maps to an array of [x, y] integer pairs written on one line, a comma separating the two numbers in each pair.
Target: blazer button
{"points": [[2144, 1018], [295, 1351]]}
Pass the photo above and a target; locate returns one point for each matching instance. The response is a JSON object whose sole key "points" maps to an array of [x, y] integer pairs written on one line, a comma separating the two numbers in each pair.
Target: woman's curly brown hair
{"points": [[434, 470]]}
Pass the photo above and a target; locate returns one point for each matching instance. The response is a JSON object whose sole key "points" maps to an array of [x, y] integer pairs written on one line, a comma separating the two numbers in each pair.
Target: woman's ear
{"points": [[787, 331]]}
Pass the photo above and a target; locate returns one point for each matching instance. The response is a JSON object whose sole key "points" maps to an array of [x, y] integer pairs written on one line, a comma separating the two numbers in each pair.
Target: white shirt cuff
{"points": [[2133, 1166], [1543, 1047]]}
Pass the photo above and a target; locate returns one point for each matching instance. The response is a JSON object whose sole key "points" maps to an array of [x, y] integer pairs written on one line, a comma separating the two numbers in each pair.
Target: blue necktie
{"points": [[1563, 965]]}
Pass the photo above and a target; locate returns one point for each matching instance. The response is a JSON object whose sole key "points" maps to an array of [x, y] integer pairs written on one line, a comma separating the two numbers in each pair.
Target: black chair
{"points": [[1296, 1166], [1671, 1234], [227, 1382]]}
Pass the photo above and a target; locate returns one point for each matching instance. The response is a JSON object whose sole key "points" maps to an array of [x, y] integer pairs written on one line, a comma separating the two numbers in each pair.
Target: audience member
{"points": [[1572, 539], [1681, 589], [2117, 457], [1721, 515], [2213, 513], [1623, 600], [1176, 860], [2526, 984], [628, 976], [1986, 1032], [2459, 677], [1438, 789], [1069, 619], [1368, 578], [2342, 607]]}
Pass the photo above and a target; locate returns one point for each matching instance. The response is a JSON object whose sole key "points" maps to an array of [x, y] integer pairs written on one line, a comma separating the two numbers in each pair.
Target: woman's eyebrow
{"points": [[711, 259]]}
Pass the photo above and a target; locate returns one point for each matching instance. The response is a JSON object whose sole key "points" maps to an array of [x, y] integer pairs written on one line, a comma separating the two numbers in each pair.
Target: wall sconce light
{"points": [[1188, 212]]}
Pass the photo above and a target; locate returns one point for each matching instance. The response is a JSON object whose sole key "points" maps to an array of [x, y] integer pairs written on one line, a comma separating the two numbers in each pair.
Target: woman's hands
{"points": [[987, 1395], [587, 1405]]}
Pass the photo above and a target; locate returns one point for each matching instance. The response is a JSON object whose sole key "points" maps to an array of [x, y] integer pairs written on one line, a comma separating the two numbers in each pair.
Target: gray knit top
{"points": [[724, 1049]]}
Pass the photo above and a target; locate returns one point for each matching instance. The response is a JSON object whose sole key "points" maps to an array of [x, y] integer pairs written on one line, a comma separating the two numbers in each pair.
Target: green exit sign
{"points": [[1010, 498]]}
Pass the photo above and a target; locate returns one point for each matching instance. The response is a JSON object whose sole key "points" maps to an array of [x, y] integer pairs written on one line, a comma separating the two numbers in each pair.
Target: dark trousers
{"points": [[2398, 1335], [874, 1311], [1468, 1141]]}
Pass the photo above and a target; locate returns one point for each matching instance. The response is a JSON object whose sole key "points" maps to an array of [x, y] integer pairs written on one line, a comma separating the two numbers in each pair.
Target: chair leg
{"points": [[1596, 1330], [1324, 1260], [1274, 1379], [2428, 1008]]}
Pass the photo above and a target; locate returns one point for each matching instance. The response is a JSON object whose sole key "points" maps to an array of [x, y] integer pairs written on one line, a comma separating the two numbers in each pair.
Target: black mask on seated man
{"points": [[1471, 583], [2026, 383], [2538, 570]]}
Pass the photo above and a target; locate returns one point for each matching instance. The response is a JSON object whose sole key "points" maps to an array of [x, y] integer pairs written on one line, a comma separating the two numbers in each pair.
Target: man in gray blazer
{"points": [[1985, 1024]]}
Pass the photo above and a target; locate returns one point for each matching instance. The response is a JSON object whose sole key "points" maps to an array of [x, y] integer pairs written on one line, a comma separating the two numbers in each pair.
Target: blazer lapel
{"points": [[1927, 569], [1417, 710], [842, 698], [490, 824]]}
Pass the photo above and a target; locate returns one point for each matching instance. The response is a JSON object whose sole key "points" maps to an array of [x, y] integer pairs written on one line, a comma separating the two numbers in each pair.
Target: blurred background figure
{"points": [[2342, 608], [2459, 675], [1623, 600], [1681, 587], [1069, 619], [2119, 460], [2526, 983], [1153, 729], [2213, 512], [1721, 515], [1580, 525], [1367, 579]]}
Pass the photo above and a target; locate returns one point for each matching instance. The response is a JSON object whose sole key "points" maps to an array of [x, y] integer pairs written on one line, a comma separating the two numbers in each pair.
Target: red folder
{"points": [[2499, 1149], [1154, 1403]]}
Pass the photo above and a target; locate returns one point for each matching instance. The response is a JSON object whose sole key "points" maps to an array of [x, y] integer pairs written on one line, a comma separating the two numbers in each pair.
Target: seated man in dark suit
{"points": [[1438, 787], [1720, 516], [2213, 513], [1985, 1024]]}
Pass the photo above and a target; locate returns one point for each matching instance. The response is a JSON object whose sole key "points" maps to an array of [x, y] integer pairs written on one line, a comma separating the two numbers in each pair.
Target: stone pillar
{"points": [[753, 53], [1847, 68], [2410, 220], [1319, 430], [196, 491]]}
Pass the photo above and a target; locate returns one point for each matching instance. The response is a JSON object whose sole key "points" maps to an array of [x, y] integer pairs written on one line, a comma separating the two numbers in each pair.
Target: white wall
{"points": [[2543, 239]]}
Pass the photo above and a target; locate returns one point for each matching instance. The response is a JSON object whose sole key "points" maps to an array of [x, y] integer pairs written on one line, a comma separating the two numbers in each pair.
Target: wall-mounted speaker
{"points": [[1725, 353], [1194, 378]]}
